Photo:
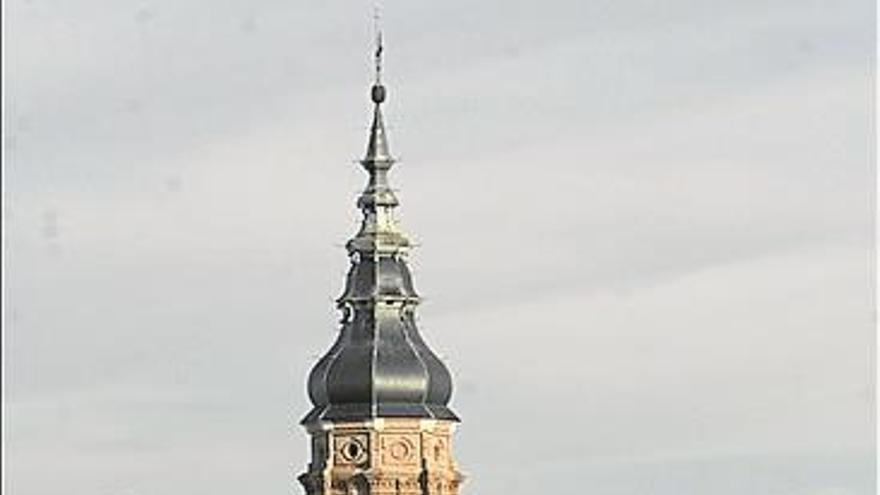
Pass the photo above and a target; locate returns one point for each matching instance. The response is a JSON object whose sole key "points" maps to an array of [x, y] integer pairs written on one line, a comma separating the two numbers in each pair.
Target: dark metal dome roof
{"points": [[379, 365]]}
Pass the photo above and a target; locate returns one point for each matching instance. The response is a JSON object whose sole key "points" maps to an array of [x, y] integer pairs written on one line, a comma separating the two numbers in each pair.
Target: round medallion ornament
{"points": [[400, 450]]}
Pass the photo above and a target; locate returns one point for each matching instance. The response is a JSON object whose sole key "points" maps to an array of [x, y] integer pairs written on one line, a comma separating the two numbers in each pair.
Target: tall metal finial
{"points": [[377, 29], [377, 92]]}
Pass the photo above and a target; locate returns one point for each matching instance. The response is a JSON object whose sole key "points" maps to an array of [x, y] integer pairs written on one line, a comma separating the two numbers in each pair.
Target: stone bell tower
{"points": [[380, 423]]}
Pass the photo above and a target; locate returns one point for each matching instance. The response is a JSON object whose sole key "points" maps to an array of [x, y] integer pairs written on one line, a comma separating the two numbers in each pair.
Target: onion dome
{"points": [[379, 365]]}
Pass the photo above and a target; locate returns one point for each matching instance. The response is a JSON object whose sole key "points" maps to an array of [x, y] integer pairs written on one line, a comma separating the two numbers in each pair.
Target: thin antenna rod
{"points": [[378, 32]]}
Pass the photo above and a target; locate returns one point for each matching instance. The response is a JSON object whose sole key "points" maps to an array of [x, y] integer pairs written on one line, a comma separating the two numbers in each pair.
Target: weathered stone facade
{"points": [[383, 456]]}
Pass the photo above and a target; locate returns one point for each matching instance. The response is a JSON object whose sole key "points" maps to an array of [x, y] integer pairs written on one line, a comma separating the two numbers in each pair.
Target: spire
{"points": [[379, 230], [379, 366], [377, 146]]}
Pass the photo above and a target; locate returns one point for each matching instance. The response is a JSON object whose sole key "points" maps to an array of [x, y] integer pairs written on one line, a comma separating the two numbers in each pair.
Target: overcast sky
{"points": [[645, 232]]}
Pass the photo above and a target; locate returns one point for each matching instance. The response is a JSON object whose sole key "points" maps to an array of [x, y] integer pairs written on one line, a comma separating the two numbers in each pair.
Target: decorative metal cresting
{"points": [[380, 421]]}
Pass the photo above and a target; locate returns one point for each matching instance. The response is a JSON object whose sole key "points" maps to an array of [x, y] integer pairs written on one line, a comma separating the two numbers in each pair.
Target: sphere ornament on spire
{"points": [[377, 93]]}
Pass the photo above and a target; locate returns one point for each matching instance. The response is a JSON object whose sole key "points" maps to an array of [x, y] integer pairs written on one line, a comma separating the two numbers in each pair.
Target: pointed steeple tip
{"points": [[377, 148]]}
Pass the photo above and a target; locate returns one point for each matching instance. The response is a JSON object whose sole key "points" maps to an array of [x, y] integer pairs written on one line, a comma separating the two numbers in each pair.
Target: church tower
{"points": [[380, 424]]}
